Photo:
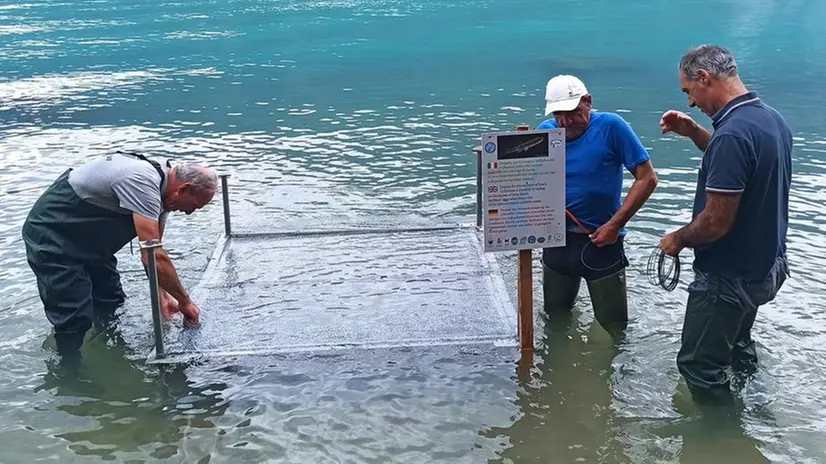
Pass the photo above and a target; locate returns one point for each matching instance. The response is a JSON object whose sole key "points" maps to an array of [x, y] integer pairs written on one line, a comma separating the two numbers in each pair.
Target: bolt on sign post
{"points": [[521, 182]]}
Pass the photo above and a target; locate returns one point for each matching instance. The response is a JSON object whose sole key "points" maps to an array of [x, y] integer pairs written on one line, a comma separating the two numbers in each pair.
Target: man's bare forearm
{"points": [[701, 231], [700, 136], [168, 278], [164, 294], [638, 194]]}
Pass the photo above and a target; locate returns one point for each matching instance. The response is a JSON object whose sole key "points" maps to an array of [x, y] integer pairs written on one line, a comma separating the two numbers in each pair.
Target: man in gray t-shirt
{"points": [[86, 216], [122, 183]]}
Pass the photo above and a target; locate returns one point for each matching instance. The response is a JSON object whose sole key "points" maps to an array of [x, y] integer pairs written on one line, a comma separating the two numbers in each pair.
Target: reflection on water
{"points": [[352, 113], [568, 412], [112, 406]]}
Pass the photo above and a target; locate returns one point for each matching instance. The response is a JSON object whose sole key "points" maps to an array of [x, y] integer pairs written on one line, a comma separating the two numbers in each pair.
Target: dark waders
{"points": [[716, 334], [71, 246], [604, 272]]}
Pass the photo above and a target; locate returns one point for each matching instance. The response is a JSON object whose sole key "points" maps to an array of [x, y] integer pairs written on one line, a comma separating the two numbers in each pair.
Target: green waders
{"points": [[604, 272], [71, 246]]}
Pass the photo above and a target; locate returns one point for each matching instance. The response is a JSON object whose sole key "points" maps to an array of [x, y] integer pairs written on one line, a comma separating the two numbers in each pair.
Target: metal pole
{"points": [[478, 153], [154, 293], [225, 193]]}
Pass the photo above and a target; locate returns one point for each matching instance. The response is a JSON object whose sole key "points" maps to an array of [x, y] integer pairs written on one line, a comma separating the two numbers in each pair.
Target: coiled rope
{"points": [[663, 269]]}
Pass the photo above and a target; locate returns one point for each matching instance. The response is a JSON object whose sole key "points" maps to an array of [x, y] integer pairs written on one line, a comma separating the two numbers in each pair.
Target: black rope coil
{"points": [[663, 269]]}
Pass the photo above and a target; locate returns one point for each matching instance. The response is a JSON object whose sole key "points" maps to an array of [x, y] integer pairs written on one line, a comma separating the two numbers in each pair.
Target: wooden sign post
{"points": [[524, 291], [525, 316]]}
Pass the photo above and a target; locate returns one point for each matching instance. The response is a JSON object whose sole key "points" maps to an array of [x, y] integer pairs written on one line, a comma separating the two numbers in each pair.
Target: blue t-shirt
{"points": [[750, 153], [594, 164]]}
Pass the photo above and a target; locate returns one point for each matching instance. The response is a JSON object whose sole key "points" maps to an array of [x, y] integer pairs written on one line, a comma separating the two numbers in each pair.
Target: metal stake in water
{"points": [[225, 196], [154, 293], [478, 188]]}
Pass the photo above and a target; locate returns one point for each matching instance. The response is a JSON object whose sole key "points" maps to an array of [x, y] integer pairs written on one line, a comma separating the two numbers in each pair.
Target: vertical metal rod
{"points": [[478, 153], [154, 294], [225, 194]]}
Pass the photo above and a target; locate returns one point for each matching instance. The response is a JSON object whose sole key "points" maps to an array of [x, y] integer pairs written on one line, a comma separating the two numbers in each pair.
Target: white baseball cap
{"points": [[563, 93]]}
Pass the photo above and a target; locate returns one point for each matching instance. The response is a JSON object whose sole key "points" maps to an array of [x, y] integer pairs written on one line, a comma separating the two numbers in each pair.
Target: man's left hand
{"points": [[169, 305], [671, 244], [605, 235]]}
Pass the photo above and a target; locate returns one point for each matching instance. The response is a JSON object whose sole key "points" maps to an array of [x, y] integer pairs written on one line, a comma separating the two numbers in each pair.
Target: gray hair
{"points": [[201, 178], [714, 59]]}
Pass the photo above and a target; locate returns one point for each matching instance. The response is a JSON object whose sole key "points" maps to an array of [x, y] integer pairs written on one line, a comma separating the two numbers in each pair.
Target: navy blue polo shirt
{"points": [[750, 153]]}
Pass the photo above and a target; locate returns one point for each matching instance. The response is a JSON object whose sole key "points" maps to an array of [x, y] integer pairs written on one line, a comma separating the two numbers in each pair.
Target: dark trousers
{"points": [[582, 259], [603, 269], [716, 332], [75, 295]]}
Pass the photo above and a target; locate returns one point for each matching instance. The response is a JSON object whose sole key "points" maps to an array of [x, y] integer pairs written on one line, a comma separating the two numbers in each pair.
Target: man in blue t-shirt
{"points": [[741, 215], [600, 146]]}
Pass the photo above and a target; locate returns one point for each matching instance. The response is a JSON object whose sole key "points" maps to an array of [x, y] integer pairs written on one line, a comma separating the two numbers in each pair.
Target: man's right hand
{"points": [[678, 122], [169, 305], [191, 312]]}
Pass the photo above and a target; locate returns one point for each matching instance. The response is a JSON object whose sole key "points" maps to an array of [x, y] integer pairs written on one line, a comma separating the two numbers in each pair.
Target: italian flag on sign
{"points": [[493, 165]]}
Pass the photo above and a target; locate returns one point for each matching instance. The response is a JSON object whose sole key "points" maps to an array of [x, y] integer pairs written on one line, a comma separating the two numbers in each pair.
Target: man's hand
{"points": [[677, 122], [191, 312], [148, 229], [682, 124], [671, 244], [169, 305], [605, 235], [167, 276]]}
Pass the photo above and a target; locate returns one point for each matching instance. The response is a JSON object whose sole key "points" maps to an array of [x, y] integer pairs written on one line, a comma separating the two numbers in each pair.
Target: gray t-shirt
{"points": [[122, 183]]}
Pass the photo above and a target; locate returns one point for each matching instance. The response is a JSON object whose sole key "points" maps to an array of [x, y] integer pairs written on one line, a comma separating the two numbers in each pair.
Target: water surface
{"points": [[364, 113]]}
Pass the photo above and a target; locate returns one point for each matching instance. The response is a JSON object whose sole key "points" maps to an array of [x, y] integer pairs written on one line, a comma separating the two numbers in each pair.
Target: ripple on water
{"points": [[344, 412], [313, 143]]}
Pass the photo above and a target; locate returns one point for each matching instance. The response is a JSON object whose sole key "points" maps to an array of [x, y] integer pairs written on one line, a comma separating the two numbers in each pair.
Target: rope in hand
{"points": [[582, 255], [662, 270]]}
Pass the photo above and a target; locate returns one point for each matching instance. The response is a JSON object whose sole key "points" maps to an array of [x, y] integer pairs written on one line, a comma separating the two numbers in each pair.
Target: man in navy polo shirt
{"points": [[741, 215], [600, 147]]}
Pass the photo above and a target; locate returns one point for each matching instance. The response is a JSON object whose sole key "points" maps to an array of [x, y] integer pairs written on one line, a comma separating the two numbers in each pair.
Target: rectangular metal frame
{"points": [[223, 241]]}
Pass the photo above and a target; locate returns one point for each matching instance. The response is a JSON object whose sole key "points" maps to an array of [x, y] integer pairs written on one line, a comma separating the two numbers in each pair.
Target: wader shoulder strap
{"points": [[154, 164], [157, 167]]}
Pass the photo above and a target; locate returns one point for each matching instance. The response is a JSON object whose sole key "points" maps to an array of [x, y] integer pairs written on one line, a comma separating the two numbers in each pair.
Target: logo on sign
{"points": [[556, 143], [490, 147]]}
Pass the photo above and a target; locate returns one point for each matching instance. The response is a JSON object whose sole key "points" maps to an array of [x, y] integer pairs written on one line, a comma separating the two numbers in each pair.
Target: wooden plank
{"points": [[525, 290], [525, 300]]}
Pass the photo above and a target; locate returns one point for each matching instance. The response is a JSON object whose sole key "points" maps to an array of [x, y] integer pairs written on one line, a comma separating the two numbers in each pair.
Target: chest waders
{"points": [[70, 247], [603, 269]]}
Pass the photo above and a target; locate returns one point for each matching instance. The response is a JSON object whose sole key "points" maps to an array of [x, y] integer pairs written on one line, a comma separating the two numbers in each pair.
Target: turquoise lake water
{"points": [[365, 112]]}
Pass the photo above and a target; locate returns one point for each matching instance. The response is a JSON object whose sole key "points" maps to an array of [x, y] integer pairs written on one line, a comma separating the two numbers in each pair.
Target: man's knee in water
{"points": [[610, 302]]}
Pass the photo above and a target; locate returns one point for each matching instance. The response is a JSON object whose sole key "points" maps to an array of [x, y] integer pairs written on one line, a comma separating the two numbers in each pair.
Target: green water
{"points": [[362, 112]]}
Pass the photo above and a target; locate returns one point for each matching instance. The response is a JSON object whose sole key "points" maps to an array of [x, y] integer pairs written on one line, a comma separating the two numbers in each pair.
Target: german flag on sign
{"points": [[493, 212]]}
